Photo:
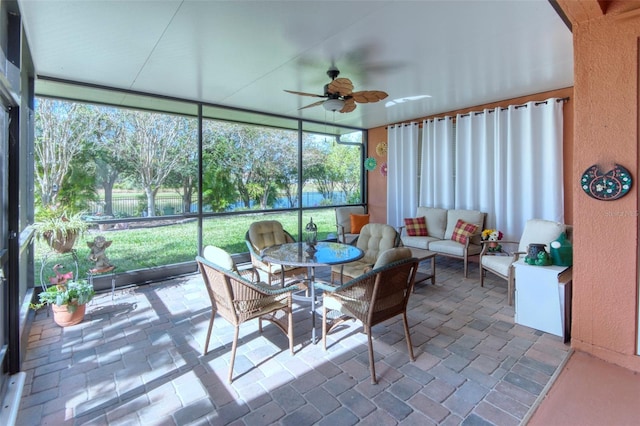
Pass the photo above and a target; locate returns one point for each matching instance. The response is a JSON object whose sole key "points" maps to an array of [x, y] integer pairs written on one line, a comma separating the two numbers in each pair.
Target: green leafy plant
{"points": [[57, 228], [70, 293]]}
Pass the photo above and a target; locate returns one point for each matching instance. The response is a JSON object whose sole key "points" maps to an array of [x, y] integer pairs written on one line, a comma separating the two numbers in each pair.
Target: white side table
{"points": [[543, 298]]}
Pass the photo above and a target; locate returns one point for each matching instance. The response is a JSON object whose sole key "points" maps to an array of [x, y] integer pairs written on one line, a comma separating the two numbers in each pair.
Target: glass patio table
{"points": [[326, 254]]}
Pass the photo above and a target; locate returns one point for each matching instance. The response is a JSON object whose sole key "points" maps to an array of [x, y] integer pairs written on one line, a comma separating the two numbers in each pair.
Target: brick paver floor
{"points": [[138, 361]]}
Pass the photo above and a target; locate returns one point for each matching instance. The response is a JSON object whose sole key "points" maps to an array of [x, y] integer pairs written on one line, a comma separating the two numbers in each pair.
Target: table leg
{"points": [[312, 289], [433, 270]]}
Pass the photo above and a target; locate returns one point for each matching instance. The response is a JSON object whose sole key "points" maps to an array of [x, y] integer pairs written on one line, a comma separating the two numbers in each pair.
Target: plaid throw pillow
{"points": [[463, 231], [416, 226]]}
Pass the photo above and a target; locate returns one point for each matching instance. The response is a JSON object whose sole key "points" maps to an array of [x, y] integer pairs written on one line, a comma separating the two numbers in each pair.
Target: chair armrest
{"points": [[249, 273], [252, 250], [485, 247], [325, 286], [517, 255]]}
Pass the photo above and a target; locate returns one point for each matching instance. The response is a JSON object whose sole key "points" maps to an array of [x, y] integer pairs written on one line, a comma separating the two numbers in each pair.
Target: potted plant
{"points": [[68, 301], [59, 230], [492, 236]]}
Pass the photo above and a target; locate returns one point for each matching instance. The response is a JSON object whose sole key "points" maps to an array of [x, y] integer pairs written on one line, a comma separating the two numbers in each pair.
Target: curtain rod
{"points": [[516, 107], [475, 113]]}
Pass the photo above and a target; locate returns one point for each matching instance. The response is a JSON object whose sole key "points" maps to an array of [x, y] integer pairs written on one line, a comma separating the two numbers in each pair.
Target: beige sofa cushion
{"points": [[454, 248], [436, 220], [418, 242], [470, 216]]}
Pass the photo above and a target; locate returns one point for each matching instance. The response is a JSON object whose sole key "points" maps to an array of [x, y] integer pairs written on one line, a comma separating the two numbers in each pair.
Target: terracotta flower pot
{"points": [[493, 244], [64, 318]]}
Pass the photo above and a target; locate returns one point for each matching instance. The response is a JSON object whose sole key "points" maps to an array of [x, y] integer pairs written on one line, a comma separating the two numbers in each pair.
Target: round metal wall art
{"points": [[381, 149], [608, 186], [370, 164], [383, 169]]}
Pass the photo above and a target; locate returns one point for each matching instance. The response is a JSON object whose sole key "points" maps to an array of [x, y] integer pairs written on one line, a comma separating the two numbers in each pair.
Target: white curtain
{"points": [[402, 172], [437, 163], [509, 164], [530, 175], [475, 161]]}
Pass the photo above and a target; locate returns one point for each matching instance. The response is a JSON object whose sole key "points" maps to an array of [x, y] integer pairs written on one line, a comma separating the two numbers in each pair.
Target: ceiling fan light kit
{"points": [[340, 96], [333, 104]]}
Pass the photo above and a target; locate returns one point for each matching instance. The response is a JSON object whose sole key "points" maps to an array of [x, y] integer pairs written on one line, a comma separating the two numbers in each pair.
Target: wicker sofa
{"points": [[441, 225]]}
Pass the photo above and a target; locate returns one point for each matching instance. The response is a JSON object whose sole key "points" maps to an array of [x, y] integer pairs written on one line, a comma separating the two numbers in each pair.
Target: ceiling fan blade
{"points": [[367, 96], [349, 105], [312, 105], [341, 86], [304, 94]]}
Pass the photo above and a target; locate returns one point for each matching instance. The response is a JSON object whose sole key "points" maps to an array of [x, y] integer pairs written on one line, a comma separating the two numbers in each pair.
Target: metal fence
{"points": [[137, 206], [167, 205]]}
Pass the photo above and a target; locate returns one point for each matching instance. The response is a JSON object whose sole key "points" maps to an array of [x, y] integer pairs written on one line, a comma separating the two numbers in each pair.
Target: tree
{"points": [[151, 146], [254, 158], [315, 167], [184, 175], [108, 132], [62, 132], [343, 161]]}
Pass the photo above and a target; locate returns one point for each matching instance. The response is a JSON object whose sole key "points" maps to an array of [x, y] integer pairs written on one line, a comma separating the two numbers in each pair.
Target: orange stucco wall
{"points": [[605, 287], [601, 126], [377, 190]]}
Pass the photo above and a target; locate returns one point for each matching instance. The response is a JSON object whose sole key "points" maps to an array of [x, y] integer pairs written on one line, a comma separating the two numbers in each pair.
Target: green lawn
{"points": [[140, 248]]}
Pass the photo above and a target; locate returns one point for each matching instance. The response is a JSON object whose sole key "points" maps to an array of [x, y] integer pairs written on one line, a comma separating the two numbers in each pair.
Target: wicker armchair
{"points": [[223, 259], [265, 234], [374, 238], [372, 298], [237, 300]]}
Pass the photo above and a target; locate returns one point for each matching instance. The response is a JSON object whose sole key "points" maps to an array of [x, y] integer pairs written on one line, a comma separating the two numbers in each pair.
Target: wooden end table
{"points": [[421, 255]]}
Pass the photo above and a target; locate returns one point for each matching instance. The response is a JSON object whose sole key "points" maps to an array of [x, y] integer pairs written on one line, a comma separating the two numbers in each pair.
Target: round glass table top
{"points": [[296, 254]]}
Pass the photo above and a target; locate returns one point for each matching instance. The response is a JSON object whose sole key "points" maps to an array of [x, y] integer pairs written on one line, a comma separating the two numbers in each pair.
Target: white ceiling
{"points": [[244, 53]]}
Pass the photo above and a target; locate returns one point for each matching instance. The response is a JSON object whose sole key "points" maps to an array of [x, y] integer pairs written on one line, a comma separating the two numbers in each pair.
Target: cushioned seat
{"points": [[374, 239], [440, 228], [535, 231], [223, 259], [454, 248], [268, 233], [343, 223], [372, 298], [238, 300]]}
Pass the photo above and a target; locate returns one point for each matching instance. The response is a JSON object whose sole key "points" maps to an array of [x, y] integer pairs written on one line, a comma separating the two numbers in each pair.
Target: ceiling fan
{"points": [[339, 95]]}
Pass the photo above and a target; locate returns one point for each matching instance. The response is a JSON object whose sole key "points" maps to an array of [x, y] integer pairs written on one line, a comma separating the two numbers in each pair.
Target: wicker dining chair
{"points": [[372, 298], [238, 300], [267, 233], [223, 259]]}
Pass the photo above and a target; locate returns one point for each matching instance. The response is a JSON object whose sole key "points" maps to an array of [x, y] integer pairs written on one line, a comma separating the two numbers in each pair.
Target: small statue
{"points": [[97, 255], [61, 278]]}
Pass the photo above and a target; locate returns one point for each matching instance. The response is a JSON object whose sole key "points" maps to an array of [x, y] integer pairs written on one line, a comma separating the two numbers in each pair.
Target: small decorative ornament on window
{"points": [[608, 186]]}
